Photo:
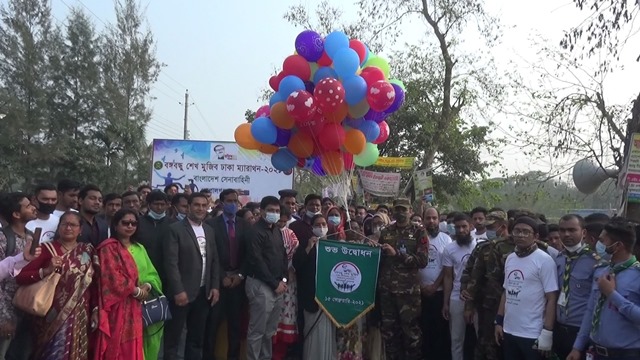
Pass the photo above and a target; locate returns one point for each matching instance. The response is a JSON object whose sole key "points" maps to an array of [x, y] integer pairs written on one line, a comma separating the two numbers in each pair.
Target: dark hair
{"points": [[541, 217], [620, 229], [65, 214], [597, 218], [311, 197], [416, 215], [66, 185], [206, 191], [361, 207], [269, 200], [285, 211], [196, 195], [316, 217], [382, 206], [479, 209], [543, 231], [324, 200], [85, 190], [226, 192], [175, 200], [44, 186], [569, 217], [242, 212], [166, 188], [594, 229], [144, 186], [156, 195], [117, 217], [252, 205], [553, 228], [462, 217], [110, 197], [129, 193], [11, 203]]}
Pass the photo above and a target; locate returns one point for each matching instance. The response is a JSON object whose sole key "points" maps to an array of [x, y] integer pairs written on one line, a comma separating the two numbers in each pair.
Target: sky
{"points": [[225, 52]]}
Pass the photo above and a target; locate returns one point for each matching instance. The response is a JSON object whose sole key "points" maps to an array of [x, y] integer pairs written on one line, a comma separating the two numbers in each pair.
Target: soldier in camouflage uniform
{"points": [[482, 280], [404, 249]]}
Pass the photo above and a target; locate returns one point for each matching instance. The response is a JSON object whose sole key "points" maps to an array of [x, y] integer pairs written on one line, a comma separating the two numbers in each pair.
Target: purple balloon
{"points": [[309, 45], [376, 116], [283, 137], [399, 100], [309, 86], [354, 123], [317, 167]]}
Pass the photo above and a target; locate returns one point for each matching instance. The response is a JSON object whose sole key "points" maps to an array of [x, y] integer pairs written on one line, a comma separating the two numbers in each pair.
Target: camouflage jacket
{"points": [[474, 274], [399, 274]]}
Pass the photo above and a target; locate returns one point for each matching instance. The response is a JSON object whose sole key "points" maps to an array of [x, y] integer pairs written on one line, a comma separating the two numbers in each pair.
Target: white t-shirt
{"points": [[59, 213], [202, 243], [526, 282], [48, 226], [479, 237], [456, 256], [430, 273]]}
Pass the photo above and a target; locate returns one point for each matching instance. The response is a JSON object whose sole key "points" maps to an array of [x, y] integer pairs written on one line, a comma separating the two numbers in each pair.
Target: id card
{"points": [[562, 299]]}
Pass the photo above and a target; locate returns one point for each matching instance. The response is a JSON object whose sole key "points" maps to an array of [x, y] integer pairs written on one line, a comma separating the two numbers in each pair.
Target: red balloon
{"points": [[274, 81], [384, 133], [371, 74], [312, 127], [298, 66], [380, 95], [348, 160], [324, 60], [329, 94], [333, 136], [300, 105], [359, 48], [263, 111], [301, 162]]}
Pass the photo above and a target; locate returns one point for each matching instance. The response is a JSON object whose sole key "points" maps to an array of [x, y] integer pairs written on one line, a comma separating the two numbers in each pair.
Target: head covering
{"points": [[494, 216], [402, 202], [287, 193], [527, 221]]}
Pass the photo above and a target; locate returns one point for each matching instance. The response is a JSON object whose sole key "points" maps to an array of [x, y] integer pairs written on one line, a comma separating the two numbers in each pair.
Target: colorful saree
{"points": [[120, 326], [64, 332], [152, 335]]}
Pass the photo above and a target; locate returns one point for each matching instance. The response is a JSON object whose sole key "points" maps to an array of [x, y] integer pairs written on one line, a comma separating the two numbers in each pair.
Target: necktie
{"points": [[233, 245], [595, 321], [567, 275]]}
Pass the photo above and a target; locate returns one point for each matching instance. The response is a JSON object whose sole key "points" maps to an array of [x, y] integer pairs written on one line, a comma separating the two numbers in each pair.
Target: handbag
{"points": [[36, 299], [155, 310]]}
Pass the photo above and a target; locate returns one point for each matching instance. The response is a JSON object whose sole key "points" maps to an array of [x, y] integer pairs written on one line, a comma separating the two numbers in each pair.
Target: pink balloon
{"points": [[384, 133], [348, 160], [263, 111]]}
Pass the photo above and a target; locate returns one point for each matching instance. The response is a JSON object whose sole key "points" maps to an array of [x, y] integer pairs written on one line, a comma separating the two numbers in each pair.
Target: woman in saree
{"points": [[120, 325], [64, 332]]}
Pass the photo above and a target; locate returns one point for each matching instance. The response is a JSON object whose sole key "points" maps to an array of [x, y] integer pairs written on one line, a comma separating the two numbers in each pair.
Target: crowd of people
{"points": [[485, 284]]}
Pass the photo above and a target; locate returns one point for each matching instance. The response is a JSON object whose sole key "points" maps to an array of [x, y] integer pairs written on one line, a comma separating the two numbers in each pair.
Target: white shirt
{"points": [[430, 273], [59, 213], [202, 243], [456, 256], [526, 282], [48, 226], [479, 237]]}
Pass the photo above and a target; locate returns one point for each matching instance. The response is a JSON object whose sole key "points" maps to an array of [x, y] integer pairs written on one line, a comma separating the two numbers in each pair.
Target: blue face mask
{"points": [[156, 216], [180, 216], [271, 217], [230, 209], [451, 229], [601, 250], [491, 234], [335, 220]]}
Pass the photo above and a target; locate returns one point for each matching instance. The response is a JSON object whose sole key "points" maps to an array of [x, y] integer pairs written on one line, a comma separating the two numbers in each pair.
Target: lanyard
{"points": [[567, 274], [595, 322]]}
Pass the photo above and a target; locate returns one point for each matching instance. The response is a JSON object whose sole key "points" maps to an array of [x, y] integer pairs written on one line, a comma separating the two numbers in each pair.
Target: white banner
{"points": [[216, 166], [379, 183]]}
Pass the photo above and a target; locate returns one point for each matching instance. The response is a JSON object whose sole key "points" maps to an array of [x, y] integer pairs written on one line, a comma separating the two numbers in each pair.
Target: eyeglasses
{"points": [[69, 225], [129, 223], [522, 232]]}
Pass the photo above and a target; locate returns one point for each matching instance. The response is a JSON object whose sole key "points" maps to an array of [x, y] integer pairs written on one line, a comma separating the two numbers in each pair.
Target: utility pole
{"points": [[186, 114]]}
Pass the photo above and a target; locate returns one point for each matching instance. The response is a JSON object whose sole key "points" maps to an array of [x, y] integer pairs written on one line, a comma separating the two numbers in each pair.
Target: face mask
{"points": [[451, 229], [320, 231], [311, 214], [335, 220], [400, 217], [573, 248], [491, 234], [271, 217], [415, 223], [229, 209], [156, 216], [46, 208], [181, 216], [603, 251]]}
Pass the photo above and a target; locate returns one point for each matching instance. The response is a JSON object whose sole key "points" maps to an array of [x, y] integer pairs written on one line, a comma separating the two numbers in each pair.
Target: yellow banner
{"points": [[396, 162]]}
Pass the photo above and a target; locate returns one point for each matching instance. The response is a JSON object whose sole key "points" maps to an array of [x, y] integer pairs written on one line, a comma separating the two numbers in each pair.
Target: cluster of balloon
{"points": [[329, 109]]}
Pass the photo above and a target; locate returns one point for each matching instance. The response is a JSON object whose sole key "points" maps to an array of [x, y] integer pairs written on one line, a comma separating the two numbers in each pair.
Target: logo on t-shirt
{"points": [[433, 254], [346, 277], [47, 236], [464, 260], [515, 282]]}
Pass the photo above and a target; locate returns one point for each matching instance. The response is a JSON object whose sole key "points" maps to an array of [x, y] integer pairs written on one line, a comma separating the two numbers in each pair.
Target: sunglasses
{"points": [[129, 223]]}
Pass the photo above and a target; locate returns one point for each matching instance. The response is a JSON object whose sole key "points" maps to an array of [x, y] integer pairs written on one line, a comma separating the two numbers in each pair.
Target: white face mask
{"points": [[311, 214], [415, 223], [320, 231]]}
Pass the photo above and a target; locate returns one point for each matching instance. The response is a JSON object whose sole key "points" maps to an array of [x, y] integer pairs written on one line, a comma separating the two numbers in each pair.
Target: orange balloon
{"points": [[244, 138], [339, 114], [301, 144], [355, 141], [359, 110], [332, 162], [267, 149], [280, 116]]}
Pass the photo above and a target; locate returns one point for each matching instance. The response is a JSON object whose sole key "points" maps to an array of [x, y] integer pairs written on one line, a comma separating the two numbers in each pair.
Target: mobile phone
{"points": [[36, 240]]}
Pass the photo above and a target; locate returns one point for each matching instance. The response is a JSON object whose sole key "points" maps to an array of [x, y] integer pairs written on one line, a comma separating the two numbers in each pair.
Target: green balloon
{"points": [[399, 83], [314, 68], [380, 63], [368, 156], [359, 110]]}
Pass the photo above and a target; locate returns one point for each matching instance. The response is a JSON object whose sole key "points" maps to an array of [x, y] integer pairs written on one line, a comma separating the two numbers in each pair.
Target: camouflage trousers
{"points": [[400, 325], [486, 347]]}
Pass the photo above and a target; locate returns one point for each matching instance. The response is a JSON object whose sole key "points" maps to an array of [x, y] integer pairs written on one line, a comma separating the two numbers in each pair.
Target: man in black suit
{"points": [[230, 233], [154, 227], [192, 270], [94, 229]]}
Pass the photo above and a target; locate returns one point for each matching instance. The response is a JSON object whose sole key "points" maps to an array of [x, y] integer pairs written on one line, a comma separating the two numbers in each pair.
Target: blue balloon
{"points": [[290, 84], [346, 62], [264, 130], [366, 54], [276, 98], [283, 159], [370, 129], [335, 41], [355, 89], [323, 73]]}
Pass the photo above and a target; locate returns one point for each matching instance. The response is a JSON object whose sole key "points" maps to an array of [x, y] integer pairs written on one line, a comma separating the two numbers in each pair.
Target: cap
{"points": [[495, 216], [402, 202], [287, 193]]}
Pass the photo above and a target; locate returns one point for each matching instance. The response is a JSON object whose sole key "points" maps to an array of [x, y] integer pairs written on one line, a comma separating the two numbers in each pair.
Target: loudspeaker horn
{"points": [[588, 176]]}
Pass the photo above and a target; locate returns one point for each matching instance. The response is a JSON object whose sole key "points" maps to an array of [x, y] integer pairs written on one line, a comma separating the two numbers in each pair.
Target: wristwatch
{"points": [[284, 280]]}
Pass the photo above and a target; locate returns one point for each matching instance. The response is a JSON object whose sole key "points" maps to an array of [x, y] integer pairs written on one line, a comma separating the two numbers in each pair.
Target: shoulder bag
{"points": [[36, 299]]}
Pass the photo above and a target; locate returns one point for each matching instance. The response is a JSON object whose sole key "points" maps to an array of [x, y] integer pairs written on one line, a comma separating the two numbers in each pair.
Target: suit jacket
{"points": [[183, 261], [87, 231], [219, 226]]}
